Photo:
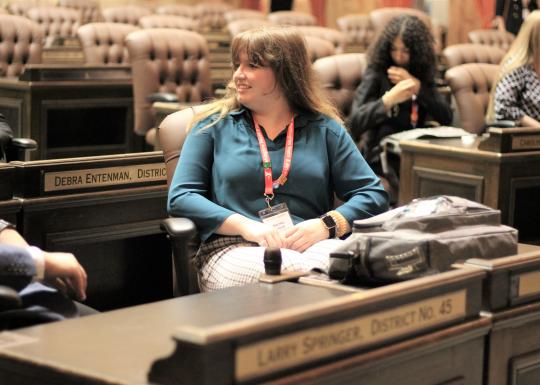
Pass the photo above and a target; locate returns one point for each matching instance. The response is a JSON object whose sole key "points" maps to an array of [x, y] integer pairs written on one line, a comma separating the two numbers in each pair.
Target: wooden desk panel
{"points": [[72, 111], [509, 182]]}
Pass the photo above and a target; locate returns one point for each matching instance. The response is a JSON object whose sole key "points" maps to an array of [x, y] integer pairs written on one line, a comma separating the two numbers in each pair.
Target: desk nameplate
{"points": [[526, 142], [526, 284], [101, 177], [275, 354]]}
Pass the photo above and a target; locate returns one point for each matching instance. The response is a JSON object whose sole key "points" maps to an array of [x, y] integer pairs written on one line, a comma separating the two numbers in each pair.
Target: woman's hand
{"points": [[305, 234], [397, 74], [402, 91], [262, 234]]}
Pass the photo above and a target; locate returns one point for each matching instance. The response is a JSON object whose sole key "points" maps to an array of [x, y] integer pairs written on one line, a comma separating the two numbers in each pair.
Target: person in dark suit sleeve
{"points": [[509, 14], [44, 280]]}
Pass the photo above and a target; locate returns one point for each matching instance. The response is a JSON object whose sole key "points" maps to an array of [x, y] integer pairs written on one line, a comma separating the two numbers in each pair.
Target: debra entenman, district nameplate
{"points": [[98, 177]]}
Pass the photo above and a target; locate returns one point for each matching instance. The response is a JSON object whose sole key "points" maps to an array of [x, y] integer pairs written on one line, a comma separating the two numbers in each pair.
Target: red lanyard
{"points": [[269, 184], [414, 112]]}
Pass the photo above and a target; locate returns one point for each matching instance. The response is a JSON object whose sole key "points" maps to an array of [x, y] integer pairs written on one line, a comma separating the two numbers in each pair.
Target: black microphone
{"points": [[272, 261]]}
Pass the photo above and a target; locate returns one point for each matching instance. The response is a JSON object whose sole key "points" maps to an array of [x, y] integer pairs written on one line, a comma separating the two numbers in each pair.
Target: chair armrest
{"points": [[9, 299], [502, 123], [178, 228], [182, 234], [24, 143], [162, 97]]}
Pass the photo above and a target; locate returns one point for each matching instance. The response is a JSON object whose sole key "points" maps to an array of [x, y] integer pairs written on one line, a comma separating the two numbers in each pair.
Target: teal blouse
{"points": [[220, 173]]}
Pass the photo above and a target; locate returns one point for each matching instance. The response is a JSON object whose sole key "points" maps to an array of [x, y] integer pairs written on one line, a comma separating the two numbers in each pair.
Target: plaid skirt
{"points": [[225, 261]]}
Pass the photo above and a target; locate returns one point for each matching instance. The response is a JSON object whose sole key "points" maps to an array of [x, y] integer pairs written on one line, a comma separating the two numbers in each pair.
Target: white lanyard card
{"points": [[277, 216]]}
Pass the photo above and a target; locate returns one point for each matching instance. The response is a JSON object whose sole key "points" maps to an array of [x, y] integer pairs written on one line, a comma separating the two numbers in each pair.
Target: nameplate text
{"points": [[529, 284], [526, 142], [270, 355], [100, 177]]}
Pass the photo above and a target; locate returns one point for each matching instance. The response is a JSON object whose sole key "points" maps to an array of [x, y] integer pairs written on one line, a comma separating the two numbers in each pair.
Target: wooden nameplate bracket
{"points": [[516, 139]]}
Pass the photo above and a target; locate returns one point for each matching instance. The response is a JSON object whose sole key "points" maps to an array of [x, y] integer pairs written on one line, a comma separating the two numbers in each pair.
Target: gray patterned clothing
{"points": [[518, 94]]}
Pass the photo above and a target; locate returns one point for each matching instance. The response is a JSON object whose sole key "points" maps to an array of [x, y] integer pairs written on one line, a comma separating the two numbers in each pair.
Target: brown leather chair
{"points": [[181, 231], [184, 10], [358, 31], [337, 38], [237, 26], [55, 22], [501, 39], [127, 14], [90, 10], [168, 21], [381, 16], [20, 7], [21, 43], [318, 47], [103, 43], [240, 14], [167, 64], [211, 16], [292, 18], [457, 54], [471, 85], [3, 11], [340, 75]]}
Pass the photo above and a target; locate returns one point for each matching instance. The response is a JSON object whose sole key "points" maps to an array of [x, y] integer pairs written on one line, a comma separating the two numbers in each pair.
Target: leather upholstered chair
{"points": [[340, 75], [242, 14], [21, 42], [181, 231], [336, 37], [127, 14], [167, 65], [471, 85], [184, 10], [292, 18], [20, 7], [89, 9], [211, 16], [358, 31], [501, 39], [103, 43], [3, 11], [237, 26], [381, 16], [55, 22], [318, 47], [168, 21], [457, 54]]}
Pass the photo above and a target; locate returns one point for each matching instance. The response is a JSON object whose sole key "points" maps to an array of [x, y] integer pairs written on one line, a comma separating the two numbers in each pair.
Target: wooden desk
{"points": [[107, 211], [512, 301], [120, 347], [509, 182], [9, 206], [72, 111]]}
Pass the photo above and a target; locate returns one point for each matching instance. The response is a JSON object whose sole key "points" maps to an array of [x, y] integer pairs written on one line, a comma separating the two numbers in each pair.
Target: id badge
{"points": [[277, 216]]}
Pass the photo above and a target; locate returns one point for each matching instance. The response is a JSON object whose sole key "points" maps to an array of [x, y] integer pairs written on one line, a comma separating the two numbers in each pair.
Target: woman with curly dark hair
{"points": [[398, 91]]}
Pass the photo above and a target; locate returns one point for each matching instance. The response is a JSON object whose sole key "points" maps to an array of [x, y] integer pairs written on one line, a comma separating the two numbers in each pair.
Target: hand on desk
{"points": [[64, 272]]}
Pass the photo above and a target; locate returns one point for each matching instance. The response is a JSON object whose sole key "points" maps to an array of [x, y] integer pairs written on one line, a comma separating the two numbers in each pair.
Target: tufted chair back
{"points": [[381, 16], [239, 14], [168, 21], [471, 85], [167, 60], [501, 39], [292, 18], [55, 21], [103, 43], [90, 9], [318, 47], [340, 75], [337, 38], [127, 14], [237, 26], [357, 29], [211, 16], [20, 7], [21, 42], [457, 54], [177, 10], [3, 11]]}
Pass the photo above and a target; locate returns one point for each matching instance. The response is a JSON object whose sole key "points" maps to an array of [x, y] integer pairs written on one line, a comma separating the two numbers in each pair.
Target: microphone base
{"points": [[284, 276]]}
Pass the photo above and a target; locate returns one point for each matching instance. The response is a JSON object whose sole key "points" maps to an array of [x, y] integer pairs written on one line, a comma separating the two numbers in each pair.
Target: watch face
{"points": [[328, 221]]}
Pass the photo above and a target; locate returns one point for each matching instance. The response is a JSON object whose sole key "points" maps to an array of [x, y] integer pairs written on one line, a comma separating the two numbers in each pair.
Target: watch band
{"points": [[330, 224]]}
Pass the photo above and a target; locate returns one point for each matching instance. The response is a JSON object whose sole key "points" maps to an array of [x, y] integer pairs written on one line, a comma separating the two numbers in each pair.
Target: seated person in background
{"points": [[398, 89], [509, 14], [5, 136], [22, 266], [516, 93], [272, 140]]}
